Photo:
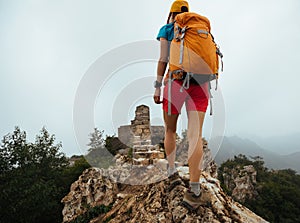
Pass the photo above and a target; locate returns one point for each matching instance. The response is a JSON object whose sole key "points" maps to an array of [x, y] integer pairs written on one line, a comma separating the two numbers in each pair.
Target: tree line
{"points": [[35, 176]]}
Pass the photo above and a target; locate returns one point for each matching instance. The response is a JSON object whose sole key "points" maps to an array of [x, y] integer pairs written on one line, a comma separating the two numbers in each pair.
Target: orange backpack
{"points": [[194, 55], [193, 50]]}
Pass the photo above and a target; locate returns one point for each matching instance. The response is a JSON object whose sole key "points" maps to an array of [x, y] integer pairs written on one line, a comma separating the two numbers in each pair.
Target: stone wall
{"points": [[125, 134]]}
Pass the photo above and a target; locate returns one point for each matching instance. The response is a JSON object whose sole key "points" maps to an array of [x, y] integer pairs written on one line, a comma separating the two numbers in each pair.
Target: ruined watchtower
{"points": [[141, 127], [142, 137]]}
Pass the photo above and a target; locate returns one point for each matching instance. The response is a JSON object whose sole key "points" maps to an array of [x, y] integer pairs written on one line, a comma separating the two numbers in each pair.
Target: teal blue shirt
{"points": [[167, 32]]}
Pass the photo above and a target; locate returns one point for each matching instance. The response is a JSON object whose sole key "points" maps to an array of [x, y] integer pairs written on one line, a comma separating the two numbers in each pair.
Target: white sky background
{"points": [[47, 46]]}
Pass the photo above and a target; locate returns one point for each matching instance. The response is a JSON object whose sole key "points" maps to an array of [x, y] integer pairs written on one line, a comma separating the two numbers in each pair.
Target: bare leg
{"points": [[195, 152], [170, 138]]}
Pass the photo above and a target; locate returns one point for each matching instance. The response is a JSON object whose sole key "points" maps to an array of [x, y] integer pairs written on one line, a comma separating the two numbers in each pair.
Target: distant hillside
{"points": [[282, 145], [294, 160], [232, 146]]}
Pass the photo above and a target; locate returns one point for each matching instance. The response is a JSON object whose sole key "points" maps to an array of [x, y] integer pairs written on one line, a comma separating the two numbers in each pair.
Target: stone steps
{"points": [[149, 155]]}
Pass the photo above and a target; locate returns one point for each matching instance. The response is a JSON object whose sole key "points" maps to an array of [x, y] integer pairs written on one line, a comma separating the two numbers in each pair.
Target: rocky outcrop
{"points": [[150, 202], [241, 182]]}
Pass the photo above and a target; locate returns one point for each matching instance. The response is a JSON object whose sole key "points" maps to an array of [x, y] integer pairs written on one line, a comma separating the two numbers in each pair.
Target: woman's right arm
{"points": [[161, 67], [163, 58]]}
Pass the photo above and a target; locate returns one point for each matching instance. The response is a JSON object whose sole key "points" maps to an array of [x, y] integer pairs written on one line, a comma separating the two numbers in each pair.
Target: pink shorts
{"points": [[195, 97]]}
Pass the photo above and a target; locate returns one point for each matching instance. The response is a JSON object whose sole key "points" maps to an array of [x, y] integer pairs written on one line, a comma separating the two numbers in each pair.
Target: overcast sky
{"points": [[47, 46]]}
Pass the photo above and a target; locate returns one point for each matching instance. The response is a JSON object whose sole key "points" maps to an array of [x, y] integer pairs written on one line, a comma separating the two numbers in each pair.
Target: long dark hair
{"points": [[174, 14]]}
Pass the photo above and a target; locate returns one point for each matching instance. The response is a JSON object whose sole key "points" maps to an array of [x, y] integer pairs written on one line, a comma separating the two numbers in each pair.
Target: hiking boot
{"points": [[174, 180], [192, 201]]}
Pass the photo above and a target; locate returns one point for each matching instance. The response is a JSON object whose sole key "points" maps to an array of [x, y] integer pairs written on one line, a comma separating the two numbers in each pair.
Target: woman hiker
{"points": [[196, 102]]}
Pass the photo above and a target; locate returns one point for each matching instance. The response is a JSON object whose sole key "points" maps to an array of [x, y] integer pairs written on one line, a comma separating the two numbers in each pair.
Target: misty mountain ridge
{"points": [[234, 145], [283, 145]]}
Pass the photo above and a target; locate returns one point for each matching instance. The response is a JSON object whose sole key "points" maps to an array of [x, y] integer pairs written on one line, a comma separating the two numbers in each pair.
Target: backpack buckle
{"points": [[178, 74]]}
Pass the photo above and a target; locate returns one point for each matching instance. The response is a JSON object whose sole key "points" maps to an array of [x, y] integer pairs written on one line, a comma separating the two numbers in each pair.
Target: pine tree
{"points": [[98, 155], [96, 140]]}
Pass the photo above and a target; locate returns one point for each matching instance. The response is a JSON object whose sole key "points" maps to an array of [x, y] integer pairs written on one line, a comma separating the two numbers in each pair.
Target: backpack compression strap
{"points": [[181, 39]]}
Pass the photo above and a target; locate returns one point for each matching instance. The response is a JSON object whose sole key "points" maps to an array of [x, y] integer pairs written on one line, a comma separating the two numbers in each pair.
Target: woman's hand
{"points": [[156, 96]]}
